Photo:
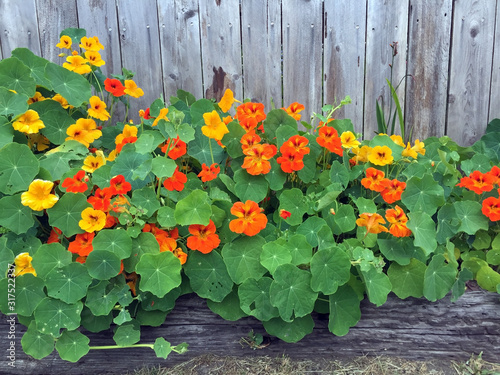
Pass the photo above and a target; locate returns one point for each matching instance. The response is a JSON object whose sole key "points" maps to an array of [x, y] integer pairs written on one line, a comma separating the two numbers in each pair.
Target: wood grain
{"points": [[412, 328], [494, 111]]}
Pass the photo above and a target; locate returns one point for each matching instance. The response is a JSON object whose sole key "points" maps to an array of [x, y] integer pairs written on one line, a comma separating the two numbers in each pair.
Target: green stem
{"points": [[121, 347], [211, 153]]}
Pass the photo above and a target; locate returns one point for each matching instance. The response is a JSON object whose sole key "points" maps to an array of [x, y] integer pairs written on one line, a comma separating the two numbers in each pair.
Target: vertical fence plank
{"points": [[344, 57], [302, 54], [428, 61], [221, 47], [387, 22], [261, 43], [15, 33], [98, 17], [180, 47], [494, 111], [470, 72], [140, 49], [53, 17]]}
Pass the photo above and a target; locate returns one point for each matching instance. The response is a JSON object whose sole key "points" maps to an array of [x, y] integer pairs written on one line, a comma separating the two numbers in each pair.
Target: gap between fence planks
{"points": [[412, 328]]}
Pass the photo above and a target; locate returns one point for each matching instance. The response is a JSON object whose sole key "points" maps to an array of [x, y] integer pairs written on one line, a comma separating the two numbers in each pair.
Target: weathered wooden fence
{"points": [[310, 51]]}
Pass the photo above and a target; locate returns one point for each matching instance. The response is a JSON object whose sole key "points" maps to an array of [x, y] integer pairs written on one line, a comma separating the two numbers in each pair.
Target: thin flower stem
{"points": [[211, 153], [121, 347]]}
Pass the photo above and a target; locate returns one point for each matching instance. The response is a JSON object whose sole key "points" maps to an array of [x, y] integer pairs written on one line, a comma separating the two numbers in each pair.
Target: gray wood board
{"points": [[412, 328]]}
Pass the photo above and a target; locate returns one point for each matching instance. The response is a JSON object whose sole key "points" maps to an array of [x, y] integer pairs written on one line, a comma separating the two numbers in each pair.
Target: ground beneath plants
{"points": [[219, 365]]}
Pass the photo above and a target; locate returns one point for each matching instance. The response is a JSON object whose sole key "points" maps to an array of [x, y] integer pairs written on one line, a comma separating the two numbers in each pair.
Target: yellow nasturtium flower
{"points": [[64, 103], [77, 64], [23, 265], [161, 116], [94, 58], [41, 142], [92, 163], [419, 147], [128, 131], [349, 140], [84, 131], [64, 42], [380, 155], [28, 123], [91, 44], [214, 127], [38, 97], [98, 109], [92, 220], [132, 89], [397, 139], [227, 101], [408, 152], [38, 196]]}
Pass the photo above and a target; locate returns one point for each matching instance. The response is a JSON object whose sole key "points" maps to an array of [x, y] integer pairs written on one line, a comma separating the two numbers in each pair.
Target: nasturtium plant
{"points": [[108, 217]]}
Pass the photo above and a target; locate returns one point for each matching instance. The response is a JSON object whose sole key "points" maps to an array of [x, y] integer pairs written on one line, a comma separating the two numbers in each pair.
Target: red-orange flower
{"points": [[256, 159], [290, 160], [181, 255], [176, 147], [393, 190], [82, 244], [491, 208], [328, 137], [114, 87], [203, 237], [372, 221], [294, 109], [248, 140], [374, 180], [119, 185], [298, 143], [111, 221], [478, 182], [495, 172], [284, 214], [397, 218], [101, 200], [124, 142], [76, 184], [250, 114], [209, 173], [250, 219], [176, 182], [54, 235]]}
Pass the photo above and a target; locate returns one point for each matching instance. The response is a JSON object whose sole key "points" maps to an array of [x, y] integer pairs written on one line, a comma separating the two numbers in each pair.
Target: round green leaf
{"points": [[377, 284], [228, 308], [6, 256], [408, 280], [51, 315], [275, 254], [293, 331], [101, 298], [166, 217], [72, 86], [160, 273], [67, 213], [242, 258], [300, 249], [35, 64], [72, 345], [153, 318], [55, 118], [277, 118], [470, 216], [488, 279], [293, 201], [14, 75], [199, 148], [250, 187], [330, 268], [6, 131], [68, 283], [344, 310], [37, 344], [439, 278], [12, 103], [163, 167], [145, 243], [400, 250], [423, 228], [115, 240], [122, 317], [208, 275], [133, 166], [344, 219], [14, 215], [145, 199], [150, 302], [49, 257], [310, 229], [126, 335], [162, 348], [193, 209], [103, 264], [254, 298], [291, 293], [28, 292], [447, 223], [423, 194], [276, 177], [18, 168]]}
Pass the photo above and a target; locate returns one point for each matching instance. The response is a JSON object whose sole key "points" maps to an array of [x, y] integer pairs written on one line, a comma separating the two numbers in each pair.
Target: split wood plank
{"points": [[140, 50], [428, 62], [261, 49], [221, 48], [470, 71], [344, 58], [412, 328], [179, 25], [19, 27], [387, 22]]}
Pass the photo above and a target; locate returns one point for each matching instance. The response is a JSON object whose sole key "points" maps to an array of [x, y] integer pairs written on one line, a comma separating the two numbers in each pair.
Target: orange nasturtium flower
{"points": [[256, 159], [495, 172], [132, 89], [28, 123], [38, 196], [290, 161], [39, 140], [214, 128], [98, 109], [92, 163], [250, 114], [203, 237], [161, 116], [84, 131], [82, 244], [91, 44], [349, 140], [181, 255], [209, 173], [250, 219], [478, 182], [77, 64], [372, 221], [393, 190], [227, 101], [176, 147], [248, 140], [328, 137], [176, 182], [374, 180], [54, 235], [294, 109], [491, 208], [23, 265], [92, 220], [380, 155], [119, 185], [114, 87], [397, 218], [127, 132], [297, 143], [64, 42], [284, 214], [101, 200], [76, 184]]}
